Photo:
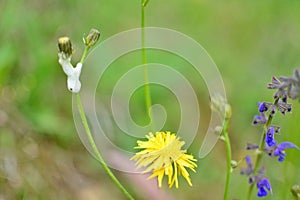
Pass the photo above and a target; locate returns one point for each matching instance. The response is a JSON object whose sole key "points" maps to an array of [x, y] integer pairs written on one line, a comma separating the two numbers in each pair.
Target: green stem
{"points": [[228, 155], [145, 3], [144, 61], [92, 141], [95, 149], [261, 149], [84, 54]]}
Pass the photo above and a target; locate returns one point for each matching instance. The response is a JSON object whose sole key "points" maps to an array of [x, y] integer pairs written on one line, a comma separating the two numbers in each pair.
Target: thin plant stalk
{"points": [[144, 59], [84, 54], [228, 157], [145, 3], [92, 141], [261, 149]]}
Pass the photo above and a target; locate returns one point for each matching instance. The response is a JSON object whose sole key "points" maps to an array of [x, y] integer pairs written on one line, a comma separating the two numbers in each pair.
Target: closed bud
{"points": [[65, 46], [233, 164], [219, 104], [227, 111], [218, 130], [296, 192], [92, 38]]}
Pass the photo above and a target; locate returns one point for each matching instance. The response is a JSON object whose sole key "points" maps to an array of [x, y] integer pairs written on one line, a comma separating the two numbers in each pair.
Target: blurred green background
{"points": [[41, 156]]}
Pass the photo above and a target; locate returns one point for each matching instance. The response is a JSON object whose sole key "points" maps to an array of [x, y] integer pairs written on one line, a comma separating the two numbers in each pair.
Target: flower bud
{"points": [[65, 46], [92, 38], [219, 104], [296, 191], [227, 111], [218, 130], [234, 164]]}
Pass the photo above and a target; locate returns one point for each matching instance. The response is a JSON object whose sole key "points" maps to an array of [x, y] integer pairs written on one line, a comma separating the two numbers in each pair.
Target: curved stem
{"points": [[92, 141], [228, 155], [95, 149]]}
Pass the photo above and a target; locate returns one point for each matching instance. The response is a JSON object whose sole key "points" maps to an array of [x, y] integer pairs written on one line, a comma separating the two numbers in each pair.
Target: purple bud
{"points": [[270, 137], [249, 168], [262, 107], [274, 84], [251, 146], [248, 160], [297, 74], [259, 119], [273, 110]]}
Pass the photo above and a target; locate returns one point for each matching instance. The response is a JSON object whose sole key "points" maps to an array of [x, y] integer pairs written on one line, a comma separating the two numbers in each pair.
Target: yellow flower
{"points": [[162, 154]]}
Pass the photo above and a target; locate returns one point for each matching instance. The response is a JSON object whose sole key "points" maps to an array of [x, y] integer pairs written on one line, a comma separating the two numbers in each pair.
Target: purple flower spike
{"points": [[279, 150], [263, 187], [270, 137]]}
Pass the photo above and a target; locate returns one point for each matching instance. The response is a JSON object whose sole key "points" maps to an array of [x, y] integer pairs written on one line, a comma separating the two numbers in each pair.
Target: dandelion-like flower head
{"points": [[162, 155]]}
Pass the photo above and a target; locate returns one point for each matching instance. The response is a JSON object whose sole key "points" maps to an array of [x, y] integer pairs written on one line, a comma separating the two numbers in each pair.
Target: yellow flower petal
{"points": [[162, 154]]}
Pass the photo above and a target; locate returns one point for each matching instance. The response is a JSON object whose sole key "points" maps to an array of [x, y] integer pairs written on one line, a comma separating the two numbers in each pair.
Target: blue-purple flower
{"points": [[282, 106], [263, 186], [262, 107], [279, 150]]}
